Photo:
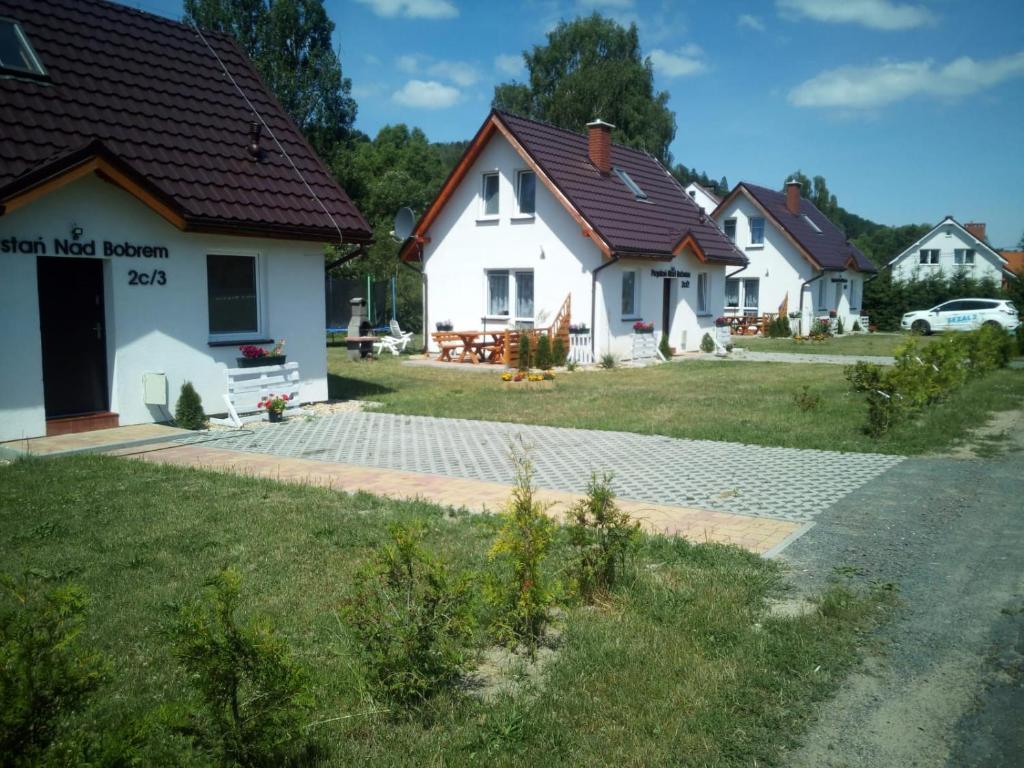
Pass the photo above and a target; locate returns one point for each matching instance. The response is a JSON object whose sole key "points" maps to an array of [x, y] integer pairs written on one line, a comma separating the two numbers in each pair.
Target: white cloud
{"points": [[413, 9], [408, 64], [508, 64], [877, 14], [859, 88], [426, 94], [750, 22], [684, 62], [459, 72]]}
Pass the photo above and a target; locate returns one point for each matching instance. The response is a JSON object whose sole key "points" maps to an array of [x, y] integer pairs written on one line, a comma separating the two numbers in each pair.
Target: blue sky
{"points": [[911, 110]]}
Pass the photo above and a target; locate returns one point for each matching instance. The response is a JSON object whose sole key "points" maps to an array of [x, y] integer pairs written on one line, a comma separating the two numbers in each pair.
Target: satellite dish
{"points": [[405, 220]]}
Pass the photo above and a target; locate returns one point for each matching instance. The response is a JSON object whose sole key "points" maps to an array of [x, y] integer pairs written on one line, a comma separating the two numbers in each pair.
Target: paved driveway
{"points": [[781, 483]]}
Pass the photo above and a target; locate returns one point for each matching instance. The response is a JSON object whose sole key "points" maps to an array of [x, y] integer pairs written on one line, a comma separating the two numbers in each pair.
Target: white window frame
{"points": [[932, 258], [260, 331], [635, 314], [960, 257], [822, 305], [750, 226], [725, 228], [703, 283], [513, 295], [484, 215], [743, 298], [520, 213]]}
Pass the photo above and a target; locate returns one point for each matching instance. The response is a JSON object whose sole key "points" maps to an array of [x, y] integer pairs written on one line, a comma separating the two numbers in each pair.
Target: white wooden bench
{"points": [[247, 386]]}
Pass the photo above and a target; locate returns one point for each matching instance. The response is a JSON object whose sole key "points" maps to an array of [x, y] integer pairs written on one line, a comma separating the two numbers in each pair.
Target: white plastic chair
{"points": [[398, 333], [390, 343]]}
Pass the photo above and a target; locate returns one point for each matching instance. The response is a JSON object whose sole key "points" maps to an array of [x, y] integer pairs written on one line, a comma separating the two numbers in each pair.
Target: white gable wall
{"points": [[946, 238], [698, 194], [152, 328]]}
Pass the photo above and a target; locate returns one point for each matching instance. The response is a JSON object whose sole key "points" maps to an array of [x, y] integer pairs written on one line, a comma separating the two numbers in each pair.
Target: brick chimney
{"points": [[793, 190], [977, 229], [599, 140]]}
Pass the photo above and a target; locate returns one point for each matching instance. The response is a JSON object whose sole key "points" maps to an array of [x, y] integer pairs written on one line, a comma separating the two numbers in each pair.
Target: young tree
{"points": [[590, 68], [289, 42]]}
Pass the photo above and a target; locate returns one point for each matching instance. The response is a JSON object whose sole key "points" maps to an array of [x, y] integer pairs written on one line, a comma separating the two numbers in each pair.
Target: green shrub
{"points": [[520, 592], [608, 361], [571, 365], [253, 697], [602, 536], [663, 347], [524, 352], [856, 326], [45, 674], [543, 353], [558, 353], [821, 327], [707, 344], [840, 327], [410, 618], [779, 328], [188, 412], [806, 400]]}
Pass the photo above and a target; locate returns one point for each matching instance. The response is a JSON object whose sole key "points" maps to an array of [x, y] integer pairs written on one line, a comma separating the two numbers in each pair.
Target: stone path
{"points": [[797, 357], [779, 483]]}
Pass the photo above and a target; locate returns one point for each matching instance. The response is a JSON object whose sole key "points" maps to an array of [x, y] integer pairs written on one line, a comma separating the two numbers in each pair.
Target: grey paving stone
{"points": [[783, 483]]}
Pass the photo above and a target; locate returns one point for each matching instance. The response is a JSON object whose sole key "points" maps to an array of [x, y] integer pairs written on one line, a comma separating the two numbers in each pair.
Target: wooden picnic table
{"points": [[474, 348]]}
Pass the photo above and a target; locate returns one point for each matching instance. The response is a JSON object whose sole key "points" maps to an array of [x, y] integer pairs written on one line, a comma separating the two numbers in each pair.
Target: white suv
{"points": [[962, 315]]}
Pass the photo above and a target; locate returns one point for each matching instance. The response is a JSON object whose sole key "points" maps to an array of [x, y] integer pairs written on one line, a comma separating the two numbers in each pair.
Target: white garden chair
{"points": [[398, 333], [390, 343]]}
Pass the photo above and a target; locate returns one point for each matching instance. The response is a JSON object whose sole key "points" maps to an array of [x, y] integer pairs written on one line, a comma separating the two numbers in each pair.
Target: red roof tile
{"points": [[151, 93]]}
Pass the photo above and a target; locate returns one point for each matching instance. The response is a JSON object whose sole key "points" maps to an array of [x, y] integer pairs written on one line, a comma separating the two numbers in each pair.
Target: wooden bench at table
{"points": [[448, 341]]}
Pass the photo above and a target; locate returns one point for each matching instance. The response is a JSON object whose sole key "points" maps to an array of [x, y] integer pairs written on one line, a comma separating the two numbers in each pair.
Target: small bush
{"points": [[840, 328], [571, 365], [664, 348], [45, 674], [779, 328], [558, 353], [253, 696], [524, 352], [602, 536], [806, 400], [608, 361], [707, 344], [521, 594], [188, 412], [856, 326], [411, 620], [543, 353], [821, 327]]}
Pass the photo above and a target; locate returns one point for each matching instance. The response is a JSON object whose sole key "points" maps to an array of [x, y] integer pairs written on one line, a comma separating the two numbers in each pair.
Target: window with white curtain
{"points": [[702, 293], [751, 293], [497, 293], [524, 295], [629, 285], [732, 292]]}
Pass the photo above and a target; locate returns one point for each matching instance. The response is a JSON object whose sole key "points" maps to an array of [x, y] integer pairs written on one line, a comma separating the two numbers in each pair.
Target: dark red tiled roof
{"points": [[150, 93], [828, 248], [630, 227]]}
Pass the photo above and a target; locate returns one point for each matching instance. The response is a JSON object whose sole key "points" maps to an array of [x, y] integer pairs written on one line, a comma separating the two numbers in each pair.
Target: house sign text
{"points": [[72, 247], [670, 272]]}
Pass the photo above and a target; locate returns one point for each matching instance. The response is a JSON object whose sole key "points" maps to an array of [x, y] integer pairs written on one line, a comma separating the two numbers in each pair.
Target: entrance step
{"points": [[86, 422]]}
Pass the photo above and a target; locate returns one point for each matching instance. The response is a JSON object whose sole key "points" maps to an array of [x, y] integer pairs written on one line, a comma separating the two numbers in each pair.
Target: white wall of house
{"points": [[152, 328], [781, 271], [700, 196], [947, 239], [466, 246]]}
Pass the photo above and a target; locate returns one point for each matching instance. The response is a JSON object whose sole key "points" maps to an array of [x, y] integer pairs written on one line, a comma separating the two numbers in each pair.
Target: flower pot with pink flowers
{"points": [[254, 356], [275, 405]]}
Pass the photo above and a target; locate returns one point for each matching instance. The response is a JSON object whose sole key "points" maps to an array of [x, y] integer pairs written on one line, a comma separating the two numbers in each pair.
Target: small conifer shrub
{"points": [[188, 412], [524, 352], [543, 360], [707, 344]]}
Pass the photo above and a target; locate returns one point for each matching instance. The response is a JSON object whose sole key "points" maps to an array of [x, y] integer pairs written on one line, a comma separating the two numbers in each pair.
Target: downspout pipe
{"points": [[802, 287], [593, 303], [423, 279]]}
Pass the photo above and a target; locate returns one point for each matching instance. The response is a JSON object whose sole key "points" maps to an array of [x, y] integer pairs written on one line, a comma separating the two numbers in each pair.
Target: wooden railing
{"points": [[559, 329]]}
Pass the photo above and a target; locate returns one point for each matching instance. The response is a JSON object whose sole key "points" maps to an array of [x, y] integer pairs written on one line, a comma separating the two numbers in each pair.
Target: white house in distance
{"points": [[705, 199], [799, 260], [158, 209], [533, 213], [949, 248]]}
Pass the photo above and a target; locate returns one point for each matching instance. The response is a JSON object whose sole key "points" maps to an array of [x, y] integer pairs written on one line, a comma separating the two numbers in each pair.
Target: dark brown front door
{"points": [[71, 321], [666, 304]]}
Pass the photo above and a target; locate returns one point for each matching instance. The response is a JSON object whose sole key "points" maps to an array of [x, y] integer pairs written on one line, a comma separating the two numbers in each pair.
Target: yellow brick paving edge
{"points": [[756, 534]]}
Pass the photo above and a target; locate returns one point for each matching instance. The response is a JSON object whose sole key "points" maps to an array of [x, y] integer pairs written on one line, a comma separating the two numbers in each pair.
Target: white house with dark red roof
{"points": [[706, 200], [799, 261], [951, 247], [533, 214], [158, 209]]}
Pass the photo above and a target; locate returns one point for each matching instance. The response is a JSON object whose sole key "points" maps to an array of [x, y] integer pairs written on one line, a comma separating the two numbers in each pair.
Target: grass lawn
{"points": [[713, 400], [878, 344], [683, 666]]}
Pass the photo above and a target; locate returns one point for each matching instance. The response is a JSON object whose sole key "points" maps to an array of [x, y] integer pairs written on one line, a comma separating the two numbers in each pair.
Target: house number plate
{"points": [[156, 277]]}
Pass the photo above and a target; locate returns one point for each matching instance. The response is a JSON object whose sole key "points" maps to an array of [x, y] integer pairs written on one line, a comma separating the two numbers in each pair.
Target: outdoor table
{"points": [[470, 346]]}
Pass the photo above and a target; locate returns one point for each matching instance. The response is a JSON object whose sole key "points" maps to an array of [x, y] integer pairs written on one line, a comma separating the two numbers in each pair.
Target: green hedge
{"points": [[887, 300]]}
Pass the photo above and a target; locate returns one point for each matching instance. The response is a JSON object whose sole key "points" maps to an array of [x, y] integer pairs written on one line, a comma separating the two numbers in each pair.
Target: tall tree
{"points": [[289, 41], [592, 68]]}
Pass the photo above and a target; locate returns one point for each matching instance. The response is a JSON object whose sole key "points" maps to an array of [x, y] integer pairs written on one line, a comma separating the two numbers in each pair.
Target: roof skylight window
{"points": [[814, 226], [633, 186], [16, 54]]}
